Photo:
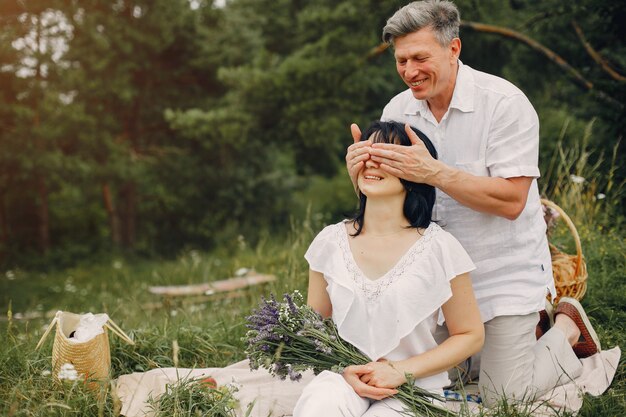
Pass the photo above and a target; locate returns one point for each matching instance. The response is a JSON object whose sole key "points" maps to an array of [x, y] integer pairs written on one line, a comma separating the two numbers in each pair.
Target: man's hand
{"points": [[412, 163], [357, 154], [353, 374], [504, 197]]}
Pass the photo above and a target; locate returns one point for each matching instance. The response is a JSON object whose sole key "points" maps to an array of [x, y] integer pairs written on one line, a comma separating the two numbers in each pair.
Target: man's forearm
{"points": [[504, 197]]}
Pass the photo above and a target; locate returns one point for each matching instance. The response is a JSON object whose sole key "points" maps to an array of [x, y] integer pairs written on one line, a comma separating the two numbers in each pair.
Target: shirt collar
{"points": [[462, 97]]}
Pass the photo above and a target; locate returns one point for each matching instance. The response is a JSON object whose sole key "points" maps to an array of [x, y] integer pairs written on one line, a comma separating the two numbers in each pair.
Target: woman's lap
{"points": [[329, 395]]}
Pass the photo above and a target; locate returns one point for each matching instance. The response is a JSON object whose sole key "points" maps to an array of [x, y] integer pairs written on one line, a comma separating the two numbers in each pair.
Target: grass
{"points": [[206, 334], [195, 397], [209, 335]]}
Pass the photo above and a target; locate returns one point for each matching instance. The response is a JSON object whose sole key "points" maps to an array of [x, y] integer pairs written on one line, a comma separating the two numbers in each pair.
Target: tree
{"points": [[31, 163], [153, 125], [130, 61]]}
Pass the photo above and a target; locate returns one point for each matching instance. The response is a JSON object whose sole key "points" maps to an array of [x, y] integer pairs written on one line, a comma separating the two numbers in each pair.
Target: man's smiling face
{"points": [[426, 67]]}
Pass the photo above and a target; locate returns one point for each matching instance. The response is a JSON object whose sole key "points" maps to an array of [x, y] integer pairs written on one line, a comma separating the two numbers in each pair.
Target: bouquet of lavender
{"points": [[288, 338]]}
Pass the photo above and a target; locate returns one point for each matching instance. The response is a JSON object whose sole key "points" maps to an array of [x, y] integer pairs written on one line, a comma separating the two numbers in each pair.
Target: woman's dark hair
{"points": [[420, 198]]}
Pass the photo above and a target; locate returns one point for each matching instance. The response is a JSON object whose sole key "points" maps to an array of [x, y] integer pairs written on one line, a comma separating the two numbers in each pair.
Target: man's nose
{"points": [[412, 69]]}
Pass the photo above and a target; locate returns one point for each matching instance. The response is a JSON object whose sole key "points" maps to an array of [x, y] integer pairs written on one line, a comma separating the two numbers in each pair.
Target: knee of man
{"points": [[493, 396]]}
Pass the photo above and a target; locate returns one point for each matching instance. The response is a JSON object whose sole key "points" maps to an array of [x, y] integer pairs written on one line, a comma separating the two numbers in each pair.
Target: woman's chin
{"points": [[382, 194]]}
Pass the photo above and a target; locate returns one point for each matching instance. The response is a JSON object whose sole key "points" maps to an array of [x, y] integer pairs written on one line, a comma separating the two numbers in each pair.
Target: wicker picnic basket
{"points": [[91, 359], [569, 271]]}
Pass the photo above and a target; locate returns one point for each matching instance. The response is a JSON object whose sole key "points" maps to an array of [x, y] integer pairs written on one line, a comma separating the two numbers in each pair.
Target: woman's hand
{"points": [[353, 374], [384, 374]]}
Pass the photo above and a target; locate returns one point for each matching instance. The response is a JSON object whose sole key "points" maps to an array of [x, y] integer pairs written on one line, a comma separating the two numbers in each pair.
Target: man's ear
{"points": [[455, 49]]}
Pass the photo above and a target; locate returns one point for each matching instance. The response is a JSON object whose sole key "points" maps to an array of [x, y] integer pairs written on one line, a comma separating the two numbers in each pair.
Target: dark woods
{"points": [[150, 126]]}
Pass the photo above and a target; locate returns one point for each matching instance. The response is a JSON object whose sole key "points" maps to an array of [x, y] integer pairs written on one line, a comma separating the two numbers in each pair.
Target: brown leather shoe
{"points": [[588, 344], [546, 320], [544, 324]]}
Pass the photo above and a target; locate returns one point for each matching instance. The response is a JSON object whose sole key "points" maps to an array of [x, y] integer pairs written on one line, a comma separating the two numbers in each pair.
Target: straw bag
{"points": [[91, 359], [569, 271]]}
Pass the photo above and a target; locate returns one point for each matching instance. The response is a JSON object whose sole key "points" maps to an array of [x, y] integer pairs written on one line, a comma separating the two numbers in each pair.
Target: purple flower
{"points": [[293, 374], [280, 370], [321, 347], [292, 306], [289, 337], [266, 316]]}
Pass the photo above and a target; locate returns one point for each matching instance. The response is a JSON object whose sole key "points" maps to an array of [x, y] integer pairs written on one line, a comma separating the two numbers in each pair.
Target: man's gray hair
{"points": [[441, 16]]}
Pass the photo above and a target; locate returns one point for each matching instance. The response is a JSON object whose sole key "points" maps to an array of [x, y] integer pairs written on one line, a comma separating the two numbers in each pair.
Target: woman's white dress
{"points": [[395, 316]]}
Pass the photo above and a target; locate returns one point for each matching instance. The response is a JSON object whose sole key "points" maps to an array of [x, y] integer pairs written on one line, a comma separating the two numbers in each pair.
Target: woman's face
{"points": [[374, 182]]}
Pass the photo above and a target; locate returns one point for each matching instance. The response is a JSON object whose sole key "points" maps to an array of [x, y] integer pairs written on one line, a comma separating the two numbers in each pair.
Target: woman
{"points": [[387, 277]]}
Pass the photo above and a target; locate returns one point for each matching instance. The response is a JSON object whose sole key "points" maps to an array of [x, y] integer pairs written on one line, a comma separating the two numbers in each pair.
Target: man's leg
{"points": [[507, 358], [555, 361], [517, 366]]}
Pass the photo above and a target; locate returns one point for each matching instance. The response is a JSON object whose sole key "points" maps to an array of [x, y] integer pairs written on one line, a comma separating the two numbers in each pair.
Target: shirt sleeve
{"points": [[318, 253], [453, 257], [455, 261], [513, 143]]}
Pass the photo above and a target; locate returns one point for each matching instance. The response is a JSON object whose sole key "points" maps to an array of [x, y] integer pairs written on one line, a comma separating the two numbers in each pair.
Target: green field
{"points": [[209, 333]]}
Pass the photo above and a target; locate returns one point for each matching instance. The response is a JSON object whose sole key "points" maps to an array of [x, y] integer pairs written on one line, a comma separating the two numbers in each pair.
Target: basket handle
{"points": [[53, 323], [572, 228], [110, 324]]}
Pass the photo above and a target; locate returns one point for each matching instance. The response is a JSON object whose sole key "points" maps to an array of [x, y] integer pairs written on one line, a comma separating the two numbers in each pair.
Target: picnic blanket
{"points": [[276, 398]]}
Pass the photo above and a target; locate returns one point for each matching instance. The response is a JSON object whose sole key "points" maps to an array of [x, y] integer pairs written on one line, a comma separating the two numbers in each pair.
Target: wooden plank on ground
{"points": [[214, 287]]}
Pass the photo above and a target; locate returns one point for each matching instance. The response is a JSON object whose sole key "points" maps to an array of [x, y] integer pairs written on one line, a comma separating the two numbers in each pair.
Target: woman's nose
{"points": [[370, 164]]}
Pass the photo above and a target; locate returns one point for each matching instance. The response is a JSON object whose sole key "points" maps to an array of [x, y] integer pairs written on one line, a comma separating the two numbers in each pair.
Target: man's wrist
{"points": [[438, 173]]}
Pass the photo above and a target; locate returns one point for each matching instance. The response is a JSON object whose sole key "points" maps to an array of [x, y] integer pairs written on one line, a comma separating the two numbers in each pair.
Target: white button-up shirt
{"points": [[491, 130]]}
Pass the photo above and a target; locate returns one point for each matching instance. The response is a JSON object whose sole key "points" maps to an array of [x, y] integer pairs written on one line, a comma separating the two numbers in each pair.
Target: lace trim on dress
{"points": [[372, 289]]}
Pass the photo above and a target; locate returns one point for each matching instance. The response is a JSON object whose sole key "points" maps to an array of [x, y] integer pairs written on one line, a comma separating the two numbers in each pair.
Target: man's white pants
{"points": [[517, 366], [329, 395]]}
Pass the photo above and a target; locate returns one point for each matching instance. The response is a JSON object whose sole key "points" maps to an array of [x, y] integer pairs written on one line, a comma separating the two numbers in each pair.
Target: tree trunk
{"points": [[4, 228], [43, 215], [129, 191], [43, 226], [129, 195], [114, 218]]}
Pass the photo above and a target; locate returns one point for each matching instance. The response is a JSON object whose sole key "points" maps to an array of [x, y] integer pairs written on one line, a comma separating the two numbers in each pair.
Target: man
{"points": [[487, 135]]}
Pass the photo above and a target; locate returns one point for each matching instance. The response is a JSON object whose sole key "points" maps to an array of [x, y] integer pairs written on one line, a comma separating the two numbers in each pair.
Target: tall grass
{"points": [[584, 184], [209, 334]]}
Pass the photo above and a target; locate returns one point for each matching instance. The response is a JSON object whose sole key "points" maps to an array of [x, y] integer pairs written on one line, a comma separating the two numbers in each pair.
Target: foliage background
{"points": [[154, 126]]}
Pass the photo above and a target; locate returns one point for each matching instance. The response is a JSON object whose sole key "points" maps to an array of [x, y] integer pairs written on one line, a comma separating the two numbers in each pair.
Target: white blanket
{"points": [[275, 398]]}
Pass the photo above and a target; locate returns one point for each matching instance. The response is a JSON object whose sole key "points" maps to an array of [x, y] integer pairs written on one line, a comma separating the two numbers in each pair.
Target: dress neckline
{"points": [[400, 263]]}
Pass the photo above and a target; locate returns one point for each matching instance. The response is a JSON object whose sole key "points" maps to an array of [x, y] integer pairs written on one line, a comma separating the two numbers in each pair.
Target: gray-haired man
{"points": [[487, 135]]}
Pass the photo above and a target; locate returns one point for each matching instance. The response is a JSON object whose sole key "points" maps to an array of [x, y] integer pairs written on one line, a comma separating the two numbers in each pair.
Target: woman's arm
{"points": [[317, 297], [466, 338]]}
